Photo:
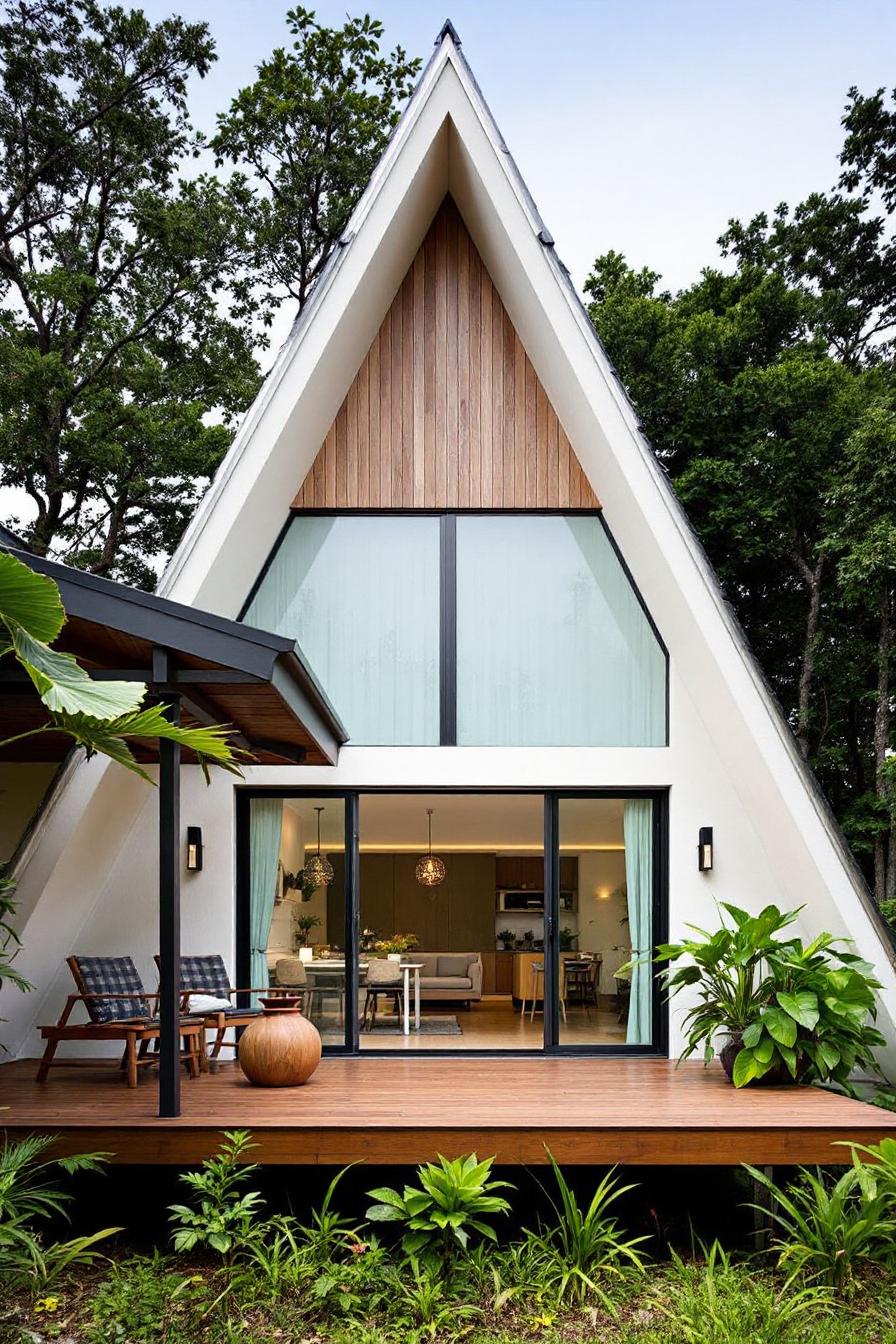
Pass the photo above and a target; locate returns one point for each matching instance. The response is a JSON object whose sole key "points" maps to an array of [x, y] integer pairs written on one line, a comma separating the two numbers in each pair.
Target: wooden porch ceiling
{"points": [[388, 1110]]}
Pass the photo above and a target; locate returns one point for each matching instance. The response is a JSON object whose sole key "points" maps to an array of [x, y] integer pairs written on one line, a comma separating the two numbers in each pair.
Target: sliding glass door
{"points": [[450, 921]]}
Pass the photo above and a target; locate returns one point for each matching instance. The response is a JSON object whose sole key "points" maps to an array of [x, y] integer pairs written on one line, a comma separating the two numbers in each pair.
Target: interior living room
{"points": [[451, 948]]}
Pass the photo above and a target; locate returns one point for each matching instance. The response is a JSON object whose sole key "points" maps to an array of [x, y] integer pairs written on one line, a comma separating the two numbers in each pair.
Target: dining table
{"points": [[336, 966]]}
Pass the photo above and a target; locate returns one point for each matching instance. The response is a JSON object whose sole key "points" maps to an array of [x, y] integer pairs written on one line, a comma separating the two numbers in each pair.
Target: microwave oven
{"points": [[528, 902]]}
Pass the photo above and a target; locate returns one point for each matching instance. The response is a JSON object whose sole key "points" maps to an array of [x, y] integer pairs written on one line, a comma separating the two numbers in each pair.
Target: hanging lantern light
{"points": [[430, 868], [318, 871]]}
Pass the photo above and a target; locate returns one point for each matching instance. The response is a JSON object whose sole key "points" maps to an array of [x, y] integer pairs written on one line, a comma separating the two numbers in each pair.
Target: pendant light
{"points": [[318, 870], [430, 868]]}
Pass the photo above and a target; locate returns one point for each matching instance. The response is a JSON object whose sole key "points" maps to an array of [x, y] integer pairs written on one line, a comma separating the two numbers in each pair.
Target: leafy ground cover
{"points": [[448, 1256]]}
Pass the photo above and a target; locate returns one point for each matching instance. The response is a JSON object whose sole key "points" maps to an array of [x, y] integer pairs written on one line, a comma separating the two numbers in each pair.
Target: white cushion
{"points": [[206, 1003]]}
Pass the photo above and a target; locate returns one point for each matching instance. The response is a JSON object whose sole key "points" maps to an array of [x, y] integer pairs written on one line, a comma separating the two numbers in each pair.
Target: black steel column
{"points": [[551, 918], [448, 630], [169, 919], [352, 920]]}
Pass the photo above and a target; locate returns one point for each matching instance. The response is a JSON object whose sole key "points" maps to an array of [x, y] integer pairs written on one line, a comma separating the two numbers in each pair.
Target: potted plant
{"points": [[304, 925], [396, 945], [568, 938], [507, 939], [789, 1011]]}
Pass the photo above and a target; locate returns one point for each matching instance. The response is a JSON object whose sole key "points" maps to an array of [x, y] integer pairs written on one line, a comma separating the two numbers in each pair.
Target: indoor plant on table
{"points": [[789, 1011]]}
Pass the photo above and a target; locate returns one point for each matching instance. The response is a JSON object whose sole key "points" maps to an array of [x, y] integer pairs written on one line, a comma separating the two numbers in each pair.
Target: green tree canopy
{"points": [[765, 388], [305, 138]]}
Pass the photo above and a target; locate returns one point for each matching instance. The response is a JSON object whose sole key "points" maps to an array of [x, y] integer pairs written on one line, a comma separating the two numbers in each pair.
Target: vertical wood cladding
{"points": [[446, 410]]}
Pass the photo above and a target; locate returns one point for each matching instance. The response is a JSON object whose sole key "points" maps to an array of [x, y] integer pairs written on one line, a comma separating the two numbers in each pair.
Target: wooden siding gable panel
{"points": [[446, 410]]}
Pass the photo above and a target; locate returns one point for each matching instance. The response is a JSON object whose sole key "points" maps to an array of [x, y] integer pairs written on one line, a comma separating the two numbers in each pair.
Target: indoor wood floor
{"points": [[492, 1024], [405, 1109]]}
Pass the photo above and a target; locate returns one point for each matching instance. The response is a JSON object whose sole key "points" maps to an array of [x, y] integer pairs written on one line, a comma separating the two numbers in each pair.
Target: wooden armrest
{"points": [[111, 994]]}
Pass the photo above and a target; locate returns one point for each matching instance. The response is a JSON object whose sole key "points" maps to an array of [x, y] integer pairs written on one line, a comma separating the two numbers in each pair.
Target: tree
{"points": [[863, 541], [114, 346], [761, 387], [305, 137]]}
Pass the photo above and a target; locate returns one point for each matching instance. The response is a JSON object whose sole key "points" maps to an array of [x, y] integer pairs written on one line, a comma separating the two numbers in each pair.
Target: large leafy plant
{"points": [[452, 1201], [830, 1228], [789, 1009], [30, 1194], [101, 716], [584, 1245], [223, 1217]]}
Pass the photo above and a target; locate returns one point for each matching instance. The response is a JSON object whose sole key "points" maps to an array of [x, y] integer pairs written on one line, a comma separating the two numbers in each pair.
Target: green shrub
{"points": [[584, 1244], [145, 1300], [830, 1228], [224, 1219], [718, 1302], [452, 1201], [28, 1195]]}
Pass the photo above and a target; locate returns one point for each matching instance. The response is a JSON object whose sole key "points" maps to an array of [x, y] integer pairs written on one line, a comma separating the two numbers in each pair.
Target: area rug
{"points": [[331, 1028]]}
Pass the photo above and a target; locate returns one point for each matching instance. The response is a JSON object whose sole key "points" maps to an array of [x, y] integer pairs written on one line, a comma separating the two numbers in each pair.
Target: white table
{"points": [[406, 967]]}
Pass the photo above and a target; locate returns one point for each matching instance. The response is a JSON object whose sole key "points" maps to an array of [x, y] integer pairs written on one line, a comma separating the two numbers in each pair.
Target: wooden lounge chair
{"points": [[119, 1009], [207, 977]]}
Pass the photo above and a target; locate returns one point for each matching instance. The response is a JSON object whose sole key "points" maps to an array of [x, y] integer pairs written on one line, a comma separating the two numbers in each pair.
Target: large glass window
{"points": [[469, 629], [553, 646], [360, 595]]}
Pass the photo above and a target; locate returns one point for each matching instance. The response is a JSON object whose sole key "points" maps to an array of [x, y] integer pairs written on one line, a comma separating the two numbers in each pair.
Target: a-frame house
{"points": [[443, 495]]}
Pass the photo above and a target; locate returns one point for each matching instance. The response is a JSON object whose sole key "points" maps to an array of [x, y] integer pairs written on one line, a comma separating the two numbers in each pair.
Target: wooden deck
{"points": [[597, 1110]]}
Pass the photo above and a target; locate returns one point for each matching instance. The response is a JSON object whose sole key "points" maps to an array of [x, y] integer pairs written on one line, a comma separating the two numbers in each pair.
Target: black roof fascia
{"points": [[172, 625]]}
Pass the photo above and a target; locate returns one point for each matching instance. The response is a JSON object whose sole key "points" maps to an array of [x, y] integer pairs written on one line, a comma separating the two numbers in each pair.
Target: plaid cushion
{"points": [[208, 974], [112, 975]]}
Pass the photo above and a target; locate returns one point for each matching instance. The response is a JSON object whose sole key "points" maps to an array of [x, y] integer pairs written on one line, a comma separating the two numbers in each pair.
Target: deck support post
{"points": [[169, 919], [763, 1201]]}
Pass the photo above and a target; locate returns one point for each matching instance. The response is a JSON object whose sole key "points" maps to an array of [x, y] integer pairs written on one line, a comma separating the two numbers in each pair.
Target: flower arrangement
{"points": [[397, 942]]}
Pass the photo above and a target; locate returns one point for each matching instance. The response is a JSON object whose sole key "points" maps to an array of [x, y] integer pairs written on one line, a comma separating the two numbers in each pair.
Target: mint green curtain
{"points": [[637, 825], [265, 825]]}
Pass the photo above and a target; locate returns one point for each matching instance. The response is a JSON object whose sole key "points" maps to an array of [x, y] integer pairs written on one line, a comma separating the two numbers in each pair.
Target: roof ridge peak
{"points": [[447, 30]]}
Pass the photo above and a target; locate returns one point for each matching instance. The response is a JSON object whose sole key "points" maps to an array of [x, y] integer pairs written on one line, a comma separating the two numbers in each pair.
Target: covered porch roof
{"points": [[222, 671], [205, 670]]}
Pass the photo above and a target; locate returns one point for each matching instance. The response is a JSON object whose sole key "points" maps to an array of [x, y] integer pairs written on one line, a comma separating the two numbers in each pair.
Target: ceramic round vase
{"points": [[281, 1048]]}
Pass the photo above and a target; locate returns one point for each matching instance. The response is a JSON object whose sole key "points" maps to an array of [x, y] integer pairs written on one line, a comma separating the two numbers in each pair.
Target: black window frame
{"points": [[448, 598], [551, 1044]]}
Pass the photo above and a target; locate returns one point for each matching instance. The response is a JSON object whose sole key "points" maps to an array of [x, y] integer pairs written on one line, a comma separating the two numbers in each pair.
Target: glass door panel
{"points": [[297, 906], [473, 940], [605, 922]]}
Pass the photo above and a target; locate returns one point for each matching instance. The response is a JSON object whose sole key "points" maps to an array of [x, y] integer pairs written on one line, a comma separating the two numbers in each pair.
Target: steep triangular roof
{"points": [[447, 142]]}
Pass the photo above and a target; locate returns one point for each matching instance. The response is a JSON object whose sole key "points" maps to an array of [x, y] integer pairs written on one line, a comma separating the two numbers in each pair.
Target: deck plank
{"points": [[386, 1109]]}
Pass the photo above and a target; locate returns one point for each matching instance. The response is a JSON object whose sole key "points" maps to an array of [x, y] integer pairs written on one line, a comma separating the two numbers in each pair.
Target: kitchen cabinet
{"points": [[569, 873], [504, 972], [520, 872]]}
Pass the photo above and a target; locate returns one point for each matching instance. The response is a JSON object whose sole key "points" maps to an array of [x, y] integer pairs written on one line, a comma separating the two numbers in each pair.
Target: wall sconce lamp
{"points": [[704, 849], [194, 849]]}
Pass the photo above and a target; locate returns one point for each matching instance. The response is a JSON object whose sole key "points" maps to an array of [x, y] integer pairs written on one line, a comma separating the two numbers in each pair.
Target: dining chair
{"points": [[383, 978]]}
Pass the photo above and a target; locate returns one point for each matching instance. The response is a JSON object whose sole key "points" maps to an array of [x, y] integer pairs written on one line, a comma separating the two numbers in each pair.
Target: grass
{"points": [[710, 1299]]}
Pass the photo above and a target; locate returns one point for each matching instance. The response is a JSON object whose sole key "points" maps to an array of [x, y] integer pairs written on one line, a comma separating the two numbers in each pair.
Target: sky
{"points": [[638, 125]]}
